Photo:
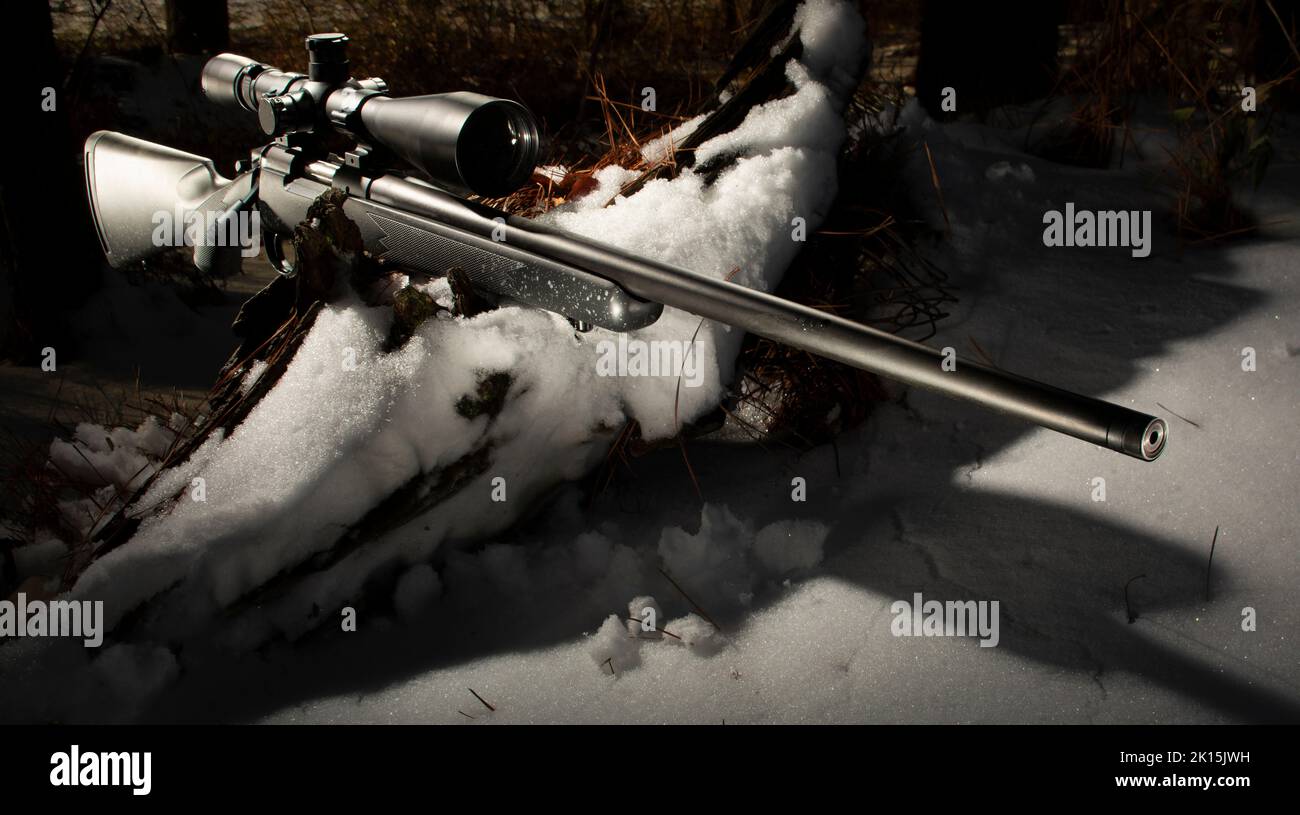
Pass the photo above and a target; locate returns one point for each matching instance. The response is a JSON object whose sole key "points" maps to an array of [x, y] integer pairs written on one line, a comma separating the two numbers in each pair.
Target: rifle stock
{"points": [[135, 184]]}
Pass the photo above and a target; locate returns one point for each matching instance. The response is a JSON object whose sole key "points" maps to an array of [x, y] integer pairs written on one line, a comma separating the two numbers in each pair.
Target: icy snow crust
{"points": [[329, 443]]}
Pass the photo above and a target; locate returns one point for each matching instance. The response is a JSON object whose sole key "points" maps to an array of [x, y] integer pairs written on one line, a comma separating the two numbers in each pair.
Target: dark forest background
{"points": [[1100, 55]]}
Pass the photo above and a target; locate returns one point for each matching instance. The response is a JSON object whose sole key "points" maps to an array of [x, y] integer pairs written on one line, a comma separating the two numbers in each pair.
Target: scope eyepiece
{"points": [[223, 78], [464, 141]]}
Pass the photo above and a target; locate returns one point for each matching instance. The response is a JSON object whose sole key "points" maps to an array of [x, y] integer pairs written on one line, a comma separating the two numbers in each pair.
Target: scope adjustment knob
{"points": [[328, 54], [279, 114], [331, 47]]}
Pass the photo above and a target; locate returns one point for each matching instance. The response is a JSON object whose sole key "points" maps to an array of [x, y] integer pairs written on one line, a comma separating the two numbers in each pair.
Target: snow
{"points": [[116, 460], [120, 456], [42, 556], [418, 587], [661, 149], [725, 561], [935, 497], [770, 609], [254, 373], [614, 647], [1020, 171], [790, 546], [348, 424], [135, 672], [645, 615]]}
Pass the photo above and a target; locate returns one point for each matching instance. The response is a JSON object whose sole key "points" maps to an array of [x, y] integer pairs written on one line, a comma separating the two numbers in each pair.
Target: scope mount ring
{"points": [[249, 71]]}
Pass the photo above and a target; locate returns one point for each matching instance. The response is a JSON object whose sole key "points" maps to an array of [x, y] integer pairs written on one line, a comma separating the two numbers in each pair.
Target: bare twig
{"points": [[1176, 416], [485, 702], [1132, 617], [1210, 563], [698, 608], [938, 190]]}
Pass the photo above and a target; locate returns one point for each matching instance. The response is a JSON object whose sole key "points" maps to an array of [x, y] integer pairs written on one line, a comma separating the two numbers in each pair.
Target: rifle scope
{"points": [[465, 141]]}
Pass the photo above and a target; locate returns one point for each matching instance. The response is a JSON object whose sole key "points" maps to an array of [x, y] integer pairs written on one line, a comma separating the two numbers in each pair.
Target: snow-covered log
{"points": [[371, 451]]}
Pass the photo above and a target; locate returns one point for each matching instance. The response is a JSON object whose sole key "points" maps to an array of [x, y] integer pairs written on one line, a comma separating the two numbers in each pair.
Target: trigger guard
{"points": [[271, 243]]}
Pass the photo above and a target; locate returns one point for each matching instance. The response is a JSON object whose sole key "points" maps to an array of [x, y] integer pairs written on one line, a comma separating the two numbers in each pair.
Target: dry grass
{"points": [[626, 129], [862, 264], [44, 498], [1198, 55]]}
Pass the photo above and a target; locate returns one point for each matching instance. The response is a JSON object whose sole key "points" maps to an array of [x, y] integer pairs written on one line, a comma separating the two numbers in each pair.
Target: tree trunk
{"points": [[49, 258], [990, 57], [1274, 54]]}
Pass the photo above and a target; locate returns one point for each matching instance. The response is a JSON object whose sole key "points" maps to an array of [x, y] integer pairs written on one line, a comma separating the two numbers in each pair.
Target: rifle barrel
{"points": [[1111, 426]]}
